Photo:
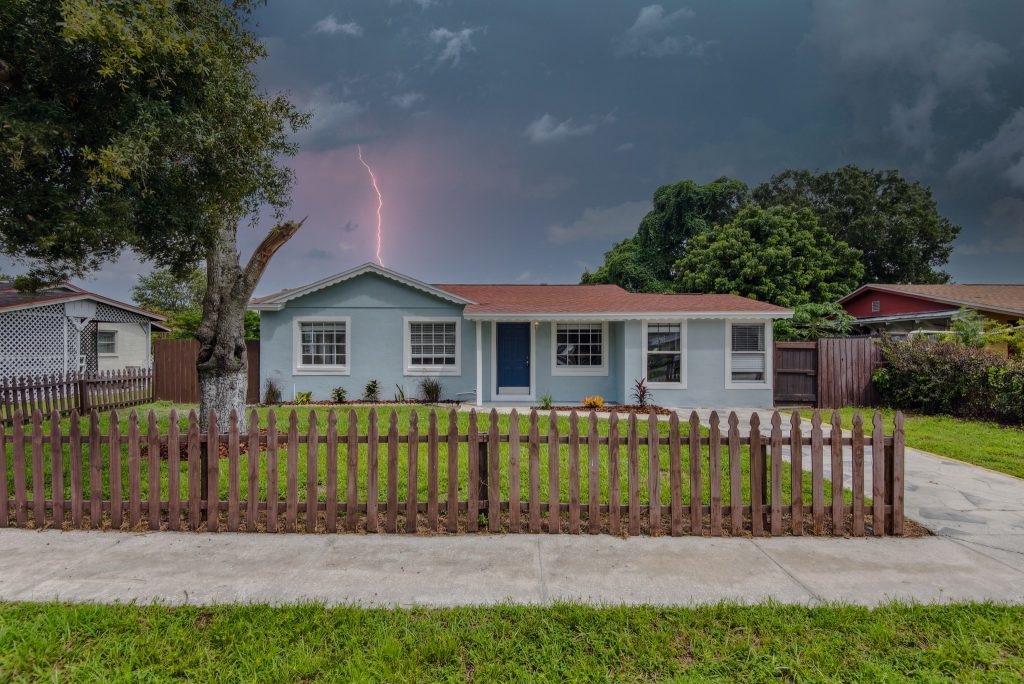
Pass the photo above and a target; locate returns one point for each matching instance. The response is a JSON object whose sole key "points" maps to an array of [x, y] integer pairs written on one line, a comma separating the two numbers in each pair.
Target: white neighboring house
{"points": [[65, 329]]}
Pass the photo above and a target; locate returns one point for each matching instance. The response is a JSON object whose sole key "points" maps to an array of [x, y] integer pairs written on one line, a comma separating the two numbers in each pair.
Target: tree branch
{"points": [[274, 240]]}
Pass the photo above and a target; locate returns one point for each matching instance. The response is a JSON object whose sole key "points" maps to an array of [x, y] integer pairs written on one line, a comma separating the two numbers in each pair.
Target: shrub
{"points": [[430, 390], [372, 391], [945, 377], [303, 397], [546, 402], [594, 402], [642, 394], [339, 395], [272, 392], [399, 393]]}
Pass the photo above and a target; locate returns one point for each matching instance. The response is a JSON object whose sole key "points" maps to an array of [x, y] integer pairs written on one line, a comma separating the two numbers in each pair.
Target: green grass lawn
{"points": [[989, 445], [308, 643], [162, 412]]}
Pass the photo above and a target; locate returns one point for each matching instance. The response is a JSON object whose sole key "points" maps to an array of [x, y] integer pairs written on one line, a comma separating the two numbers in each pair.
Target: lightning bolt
{"points": [[380, 201]]}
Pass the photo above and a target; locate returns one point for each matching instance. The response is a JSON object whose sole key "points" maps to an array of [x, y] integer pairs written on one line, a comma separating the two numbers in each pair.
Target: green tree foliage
{"points": [[184, 324], [164, 291], [892, 221], [779, 255], [812, 321], [644, 263]]}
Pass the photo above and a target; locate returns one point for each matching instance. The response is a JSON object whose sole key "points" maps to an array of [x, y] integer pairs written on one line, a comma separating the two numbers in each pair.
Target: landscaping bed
{"points": [[624, 409]]}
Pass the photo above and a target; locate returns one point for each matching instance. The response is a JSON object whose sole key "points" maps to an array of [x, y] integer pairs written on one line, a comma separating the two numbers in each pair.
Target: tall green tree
{"points": [[812, 321], [165, 291], [644, 263], [779, 255], [141, 126], [892, 221]]}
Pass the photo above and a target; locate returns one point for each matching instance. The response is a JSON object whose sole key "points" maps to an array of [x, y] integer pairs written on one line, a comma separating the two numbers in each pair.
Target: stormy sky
{"points": [[516, 141]]}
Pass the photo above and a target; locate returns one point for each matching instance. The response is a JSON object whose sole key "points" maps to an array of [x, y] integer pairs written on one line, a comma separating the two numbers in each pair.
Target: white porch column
{"points": [[479, 363]]}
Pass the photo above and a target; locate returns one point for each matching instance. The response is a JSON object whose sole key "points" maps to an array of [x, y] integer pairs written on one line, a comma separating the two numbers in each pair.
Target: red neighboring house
{"points": [[902, 309]]}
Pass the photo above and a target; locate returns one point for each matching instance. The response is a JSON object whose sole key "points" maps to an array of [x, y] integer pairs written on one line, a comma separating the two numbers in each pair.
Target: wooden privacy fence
{"points": [[718, 483], [174, 365], [831, 372], [101, 391]]}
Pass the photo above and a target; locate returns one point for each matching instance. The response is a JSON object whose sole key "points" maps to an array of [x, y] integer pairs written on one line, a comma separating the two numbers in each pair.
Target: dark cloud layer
{"points": [[522, 138]]}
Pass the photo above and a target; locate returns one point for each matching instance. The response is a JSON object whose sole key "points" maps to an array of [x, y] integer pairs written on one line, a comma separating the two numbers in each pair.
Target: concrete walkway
{"points": [[977, 554], [397, 570]]}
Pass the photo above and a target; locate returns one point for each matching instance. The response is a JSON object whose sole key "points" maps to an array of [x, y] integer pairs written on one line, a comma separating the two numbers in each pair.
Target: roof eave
{"points": [[626, 316]]}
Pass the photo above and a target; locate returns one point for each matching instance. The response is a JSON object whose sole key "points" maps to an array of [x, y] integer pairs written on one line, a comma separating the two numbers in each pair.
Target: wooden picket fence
{"points": [[495, 464], [83, 392]]}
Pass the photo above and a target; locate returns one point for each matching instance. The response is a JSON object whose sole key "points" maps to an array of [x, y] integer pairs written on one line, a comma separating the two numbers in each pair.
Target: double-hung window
{"points": [[580, 349], [748, 355], [322, 345], [106, 342], [664, 348], [432, 346]]}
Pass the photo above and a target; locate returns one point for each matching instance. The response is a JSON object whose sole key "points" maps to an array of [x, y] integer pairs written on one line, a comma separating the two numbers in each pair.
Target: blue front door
{"points": [[513, 352]]}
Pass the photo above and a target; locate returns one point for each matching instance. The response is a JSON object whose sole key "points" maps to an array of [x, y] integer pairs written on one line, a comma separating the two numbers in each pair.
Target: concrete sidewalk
{"points": [[398, 570]]}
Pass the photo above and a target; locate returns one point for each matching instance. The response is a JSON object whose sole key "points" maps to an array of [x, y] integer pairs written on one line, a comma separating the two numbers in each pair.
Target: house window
{"points": [[876, 306], [322, 345], [432, 346], [106, 342], [664, 353], [748, 353], [580, 349]]}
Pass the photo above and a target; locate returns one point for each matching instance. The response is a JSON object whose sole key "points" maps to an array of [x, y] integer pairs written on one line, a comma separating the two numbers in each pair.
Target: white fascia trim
{"points": [[532, 396], [684, 361], [408, 369], [84, 296], [769, 345], [618, 316], [278, 301], [579, 371], [298, 368]]}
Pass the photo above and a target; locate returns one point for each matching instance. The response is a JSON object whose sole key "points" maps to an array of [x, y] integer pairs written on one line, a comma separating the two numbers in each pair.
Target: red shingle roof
{"points": [[994, 297], [595, 299]]}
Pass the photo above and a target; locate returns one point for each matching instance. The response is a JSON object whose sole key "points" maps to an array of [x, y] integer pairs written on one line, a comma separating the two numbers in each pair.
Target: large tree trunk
{"points": [[222, 364]]}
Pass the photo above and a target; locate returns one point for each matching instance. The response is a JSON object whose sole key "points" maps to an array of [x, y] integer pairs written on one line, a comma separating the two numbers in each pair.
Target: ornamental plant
{"points": [[594, 402]]}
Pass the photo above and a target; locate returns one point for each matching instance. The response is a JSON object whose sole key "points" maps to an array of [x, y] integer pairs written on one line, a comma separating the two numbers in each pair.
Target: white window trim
{"points": [[591, 371], [683, 350], [429, 371], [769, 345], [106, 354], [497, 396], [336, 369]]}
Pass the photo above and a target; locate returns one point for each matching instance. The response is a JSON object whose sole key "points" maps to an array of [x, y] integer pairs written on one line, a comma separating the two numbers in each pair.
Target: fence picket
{"points": [[472, 500], [95, 472], [452, 501], [134, 471], [252, 490], [533, 453], [715, 473], [614, 485], [493, 475], [213, 472], [836, 453], [513, 472], [735, 481], [756, 478], [593, 477], [633, 467], [56, 471], [675, 475], [898, 447], [412, 472], [696, 483], [877, 475], [291, 509], [654, 472], [352, 472], [153, 471], [38, 477], [234, 481], [796, 475], [372, 476], [5, 492], [574, 473], [331, 509], [817, 476], [173, 469], [273, 480], [432, 476], [18, 459], [312, 477], [554, 483], [391, 520], [776, 446], [195, 465]]}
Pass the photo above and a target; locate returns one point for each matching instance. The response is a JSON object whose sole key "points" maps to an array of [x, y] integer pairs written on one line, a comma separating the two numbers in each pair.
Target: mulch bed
{"points": [[627, 408], [366, 402]]}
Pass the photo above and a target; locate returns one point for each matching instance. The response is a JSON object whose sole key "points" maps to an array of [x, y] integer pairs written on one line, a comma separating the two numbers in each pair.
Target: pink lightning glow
{"points": [[380, 201]]}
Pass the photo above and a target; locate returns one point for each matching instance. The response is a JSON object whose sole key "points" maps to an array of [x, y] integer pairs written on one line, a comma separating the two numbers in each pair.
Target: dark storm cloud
{"points": [[526, 137]]}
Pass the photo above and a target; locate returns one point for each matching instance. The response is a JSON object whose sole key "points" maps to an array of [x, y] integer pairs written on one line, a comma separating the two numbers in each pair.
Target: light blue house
{"points": [[512, 344]]}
